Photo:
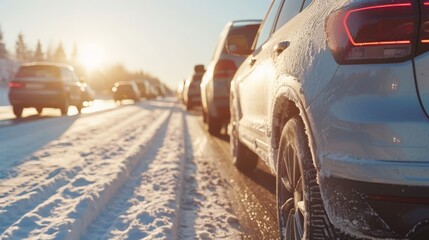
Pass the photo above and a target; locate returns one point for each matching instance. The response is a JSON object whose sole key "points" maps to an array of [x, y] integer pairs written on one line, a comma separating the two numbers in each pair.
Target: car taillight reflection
{"points": [[424, 29], [16, 85], [225, 69]]}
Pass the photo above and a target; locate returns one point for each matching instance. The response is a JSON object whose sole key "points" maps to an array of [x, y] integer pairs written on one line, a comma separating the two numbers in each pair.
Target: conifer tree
{"points": [[22, 52], [74, 55], [60, 54], [38, 54], [3, 51]]}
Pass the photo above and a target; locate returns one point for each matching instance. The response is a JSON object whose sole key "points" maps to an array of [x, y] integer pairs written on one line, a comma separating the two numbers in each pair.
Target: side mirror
{"points": [[238, 45]]}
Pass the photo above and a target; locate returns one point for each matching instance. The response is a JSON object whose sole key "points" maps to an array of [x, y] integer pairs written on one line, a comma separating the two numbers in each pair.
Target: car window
{"points": [[247, 30], [289, 10], [125, 87], [267, 25], [306, 3], [38, 72], [67, 75]]}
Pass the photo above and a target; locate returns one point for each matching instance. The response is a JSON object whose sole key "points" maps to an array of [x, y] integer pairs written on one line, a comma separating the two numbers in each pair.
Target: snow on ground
{"points": [[4, 101], [126, 173], [206, 211]]}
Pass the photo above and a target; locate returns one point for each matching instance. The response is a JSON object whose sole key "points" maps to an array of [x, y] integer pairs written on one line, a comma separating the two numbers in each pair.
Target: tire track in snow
{"points": [[145, 205], [206, 212], [48, 201], [44, 175], [33, 136]]}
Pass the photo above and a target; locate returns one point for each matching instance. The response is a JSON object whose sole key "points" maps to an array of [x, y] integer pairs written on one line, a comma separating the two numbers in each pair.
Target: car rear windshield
{"points": [[248, 30], [197, 77], [39, 72]]}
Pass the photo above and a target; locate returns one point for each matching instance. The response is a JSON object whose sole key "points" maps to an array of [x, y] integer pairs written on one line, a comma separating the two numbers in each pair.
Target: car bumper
{"points": [[47, 98], [370, 136], [373, 210]]}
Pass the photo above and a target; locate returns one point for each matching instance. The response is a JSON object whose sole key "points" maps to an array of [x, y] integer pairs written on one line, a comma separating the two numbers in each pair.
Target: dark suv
{"points": [[126, 90], [46, 85], [191, 90]]}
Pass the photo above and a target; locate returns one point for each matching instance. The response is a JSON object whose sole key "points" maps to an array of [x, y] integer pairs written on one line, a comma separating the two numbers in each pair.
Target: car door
{"points": [[253, 85]]}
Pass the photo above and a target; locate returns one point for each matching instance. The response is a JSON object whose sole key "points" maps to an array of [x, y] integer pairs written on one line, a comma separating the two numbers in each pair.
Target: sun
{"points": [[91, 56]]}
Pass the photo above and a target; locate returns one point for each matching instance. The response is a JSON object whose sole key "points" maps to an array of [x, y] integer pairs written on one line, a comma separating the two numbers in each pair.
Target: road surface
{"points": [[147, 170]]}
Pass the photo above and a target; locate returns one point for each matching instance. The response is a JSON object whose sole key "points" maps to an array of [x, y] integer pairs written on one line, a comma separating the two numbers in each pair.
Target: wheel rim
{"points": [[290, 195]]}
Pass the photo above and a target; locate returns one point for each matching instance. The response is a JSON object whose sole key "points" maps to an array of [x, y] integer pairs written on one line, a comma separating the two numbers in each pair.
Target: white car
{"points": [[215, 85]]}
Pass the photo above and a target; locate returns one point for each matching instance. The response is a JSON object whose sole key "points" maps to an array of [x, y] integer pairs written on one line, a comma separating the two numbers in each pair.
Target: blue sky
{"points": [[163, 37]]}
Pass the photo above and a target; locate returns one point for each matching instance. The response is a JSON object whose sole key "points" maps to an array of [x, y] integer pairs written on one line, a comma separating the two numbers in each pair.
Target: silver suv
{"points": [[216, 81], [335, 99]]}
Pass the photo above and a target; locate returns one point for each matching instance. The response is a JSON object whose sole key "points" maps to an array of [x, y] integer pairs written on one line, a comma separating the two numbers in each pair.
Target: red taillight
{"points": [[224, 69], [424, 29], [16, 85], [374, 31]]}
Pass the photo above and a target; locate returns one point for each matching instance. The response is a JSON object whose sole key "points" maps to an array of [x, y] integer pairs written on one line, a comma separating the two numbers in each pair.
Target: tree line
{"points": [[101, 79]]}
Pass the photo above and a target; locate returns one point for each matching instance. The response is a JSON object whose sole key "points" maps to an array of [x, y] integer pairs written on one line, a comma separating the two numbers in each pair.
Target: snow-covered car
{"points": [[216, 81], [335, 99], [126, 90], [45, 85], [191, 90]]}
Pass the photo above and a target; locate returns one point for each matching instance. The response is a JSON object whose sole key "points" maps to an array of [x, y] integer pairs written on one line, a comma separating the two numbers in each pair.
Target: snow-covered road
{"points": [[127, 173]]}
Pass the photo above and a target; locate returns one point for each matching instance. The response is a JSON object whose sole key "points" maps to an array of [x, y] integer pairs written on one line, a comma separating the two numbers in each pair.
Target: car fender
{"points": [[286, 95]]}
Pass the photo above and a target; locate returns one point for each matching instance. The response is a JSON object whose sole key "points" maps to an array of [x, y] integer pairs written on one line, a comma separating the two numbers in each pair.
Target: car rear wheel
{"points": [[214, 125], [300, 208], [79, 107], [39, 110], [204, 117], [17, 110], [65, 107]]}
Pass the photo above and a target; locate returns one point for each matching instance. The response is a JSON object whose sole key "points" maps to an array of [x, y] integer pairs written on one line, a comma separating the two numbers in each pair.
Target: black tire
{"points": [[65, 107], [297, 189], [79, 108], [204, 117], [214, 125], [17, 110], [243, 159], [39, 110]]}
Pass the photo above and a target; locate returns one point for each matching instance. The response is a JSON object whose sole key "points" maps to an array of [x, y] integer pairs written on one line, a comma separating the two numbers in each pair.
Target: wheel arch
{"points": [[288, 103]]}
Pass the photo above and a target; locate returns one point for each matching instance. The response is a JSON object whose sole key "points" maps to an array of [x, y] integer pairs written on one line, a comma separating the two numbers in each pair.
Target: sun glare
{"points": [[91, 56]]}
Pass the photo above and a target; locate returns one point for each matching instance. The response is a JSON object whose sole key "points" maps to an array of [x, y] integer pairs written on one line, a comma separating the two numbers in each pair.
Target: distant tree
{"points": [[38, 54], [3, 51], [49, 52], [74, 55], [22, 51], [60, 54]]}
